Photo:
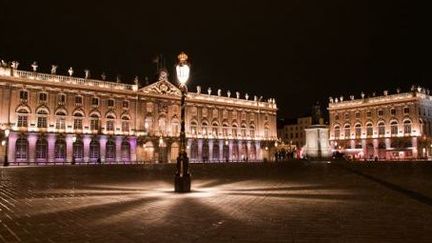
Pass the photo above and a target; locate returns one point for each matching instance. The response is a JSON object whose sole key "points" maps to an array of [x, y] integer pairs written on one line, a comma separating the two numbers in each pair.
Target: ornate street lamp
{"points": [[182, 182]]}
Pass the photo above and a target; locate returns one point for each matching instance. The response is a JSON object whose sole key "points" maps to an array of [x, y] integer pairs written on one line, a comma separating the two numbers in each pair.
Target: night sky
{"points": [[299, 52]]}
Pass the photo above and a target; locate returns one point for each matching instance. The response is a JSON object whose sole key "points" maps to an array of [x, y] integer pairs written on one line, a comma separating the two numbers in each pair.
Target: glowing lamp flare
{"points": [[182, 69]]}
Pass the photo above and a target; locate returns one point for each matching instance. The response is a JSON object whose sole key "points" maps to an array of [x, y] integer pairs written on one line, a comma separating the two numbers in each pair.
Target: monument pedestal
{"points": [[317, 142]]}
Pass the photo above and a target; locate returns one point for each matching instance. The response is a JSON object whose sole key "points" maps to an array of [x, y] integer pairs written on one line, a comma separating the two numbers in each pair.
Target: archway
{"points": [[205, 151], [148, 155], [125, 151], [215, 151]]}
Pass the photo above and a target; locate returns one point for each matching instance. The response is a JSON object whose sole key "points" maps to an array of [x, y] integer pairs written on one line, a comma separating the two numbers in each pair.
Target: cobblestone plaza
{"points": [[285, 202]]}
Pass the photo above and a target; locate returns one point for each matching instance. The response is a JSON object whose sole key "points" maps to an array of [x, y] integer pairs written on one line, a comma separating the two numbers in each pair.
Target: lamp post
{"points": [[6, 135], [182, 182]]}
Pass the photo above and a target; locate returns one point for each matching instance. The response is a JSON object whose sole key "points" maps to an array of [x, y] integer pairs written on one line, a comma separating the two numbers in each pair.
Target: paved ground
{"points": [[291, 202]]}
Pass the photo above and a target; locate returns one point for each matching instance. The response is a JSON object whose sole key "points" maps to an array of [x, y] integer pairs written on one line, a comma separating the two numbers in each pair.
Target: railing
{"points": [[71, 80]]}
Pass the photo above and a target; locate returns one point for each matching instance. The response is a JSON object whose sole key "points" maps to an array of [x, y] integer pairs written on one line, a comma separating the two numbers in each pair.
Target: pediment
{"points": [[161, 87]]}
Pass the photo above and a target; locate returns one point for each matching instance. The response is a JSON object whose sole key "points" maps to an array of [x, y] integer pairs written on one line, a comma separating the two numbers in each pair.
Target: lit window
{"points": [[381, 129], [337, 132], [407, 127], [347, 130], [94, 122], [125, 126], [369, 129], [42, 122], [22, 121], [394, 128], [358, 130]]}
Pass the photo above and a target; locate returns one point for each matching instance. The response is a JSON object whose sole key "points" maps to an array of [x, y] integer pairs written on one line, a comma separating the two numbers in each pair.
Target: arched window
{"points": [[94, 122], [110, 150], [225, 129], [337, 131], [216, 151], [234, 130], [22, 114], [148, 124], [60, 120], [78, 149], [78, 118], [243, 130], [41, 148], [252, 130], [162, 124], [215, 130], [125, 150], [94, 149], [110, 123], [369, 129], [175, 130], [194, 150], [204, 128], [42, 118], [125, 123], [407, 127], [60, 149], [347, 131], [357, 130], [394, 128], [381, 128], [193, 127], [21, 148]]}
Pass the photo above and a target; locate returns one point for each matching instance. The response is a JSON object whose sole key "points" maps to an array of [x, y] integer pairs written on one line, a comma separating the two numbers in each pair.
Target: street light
{"points": [[6, 134], [182, 182]]}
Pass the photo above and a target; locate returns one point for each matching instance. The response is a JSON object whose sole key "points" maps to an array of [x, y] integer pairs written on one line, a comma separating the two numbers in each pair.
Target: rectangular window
{"points": [[346, 115], [22, 121], [94, 124], [78, 100], [369, 114], [95, 101], [125, 126], [252, 133], [42, 122], [60, 123], [61, 98], [125, 104], [110, 103], [380, 113], [357, 114], [78, 124], [43, 97], [406, 110], [110, 125], [393, 112], [23, 95]]}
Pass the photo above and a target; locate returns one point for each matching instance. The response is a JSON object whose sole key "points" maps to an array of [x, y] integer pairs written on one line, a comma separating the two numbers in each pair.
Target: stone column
{"points": [[69, 147], [118, 142], [230, 150], [258, 150], [221, 144], [248, 146], [86, 142], [188, 148], [200, 145], [11, 147], [376, 145], [32, 139], [415, 147], [133, 148], [51, 147], [210, 144], [102, 147]]}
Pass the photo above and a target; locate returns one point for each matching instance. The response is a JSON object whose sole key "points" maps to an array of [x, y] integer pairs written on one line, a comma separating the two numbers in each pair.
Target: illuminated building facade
{"points": [[64, 119], [391, 126]]}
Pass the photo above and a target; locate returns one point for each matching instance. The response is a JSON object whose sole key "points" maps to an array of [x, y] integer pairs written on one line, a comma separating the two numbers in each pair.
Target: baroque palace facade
{"points": [[390, 127], [64, 119]]}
